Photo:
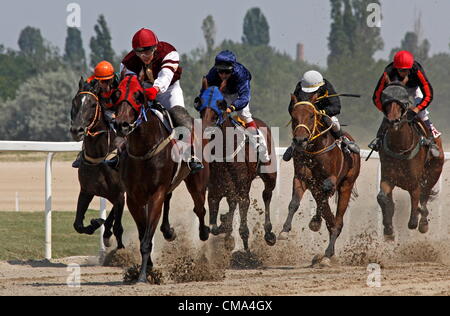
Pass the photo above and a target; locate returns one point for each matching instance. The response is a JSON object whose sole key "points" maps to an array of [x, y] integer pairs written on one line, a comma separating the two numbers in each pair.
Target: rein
{"points": [[96, 119]]}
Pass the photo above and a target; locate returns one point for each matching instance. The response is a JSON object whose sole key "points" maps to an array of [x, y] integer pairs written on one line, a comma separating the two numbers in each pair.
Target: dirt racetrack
{"points": [[414, 264]]}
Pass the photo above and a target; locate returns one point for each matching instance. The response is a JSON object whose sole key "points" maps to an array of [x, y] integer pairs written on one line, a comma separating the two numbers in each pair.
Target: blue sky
{"points": [[290, 21]]}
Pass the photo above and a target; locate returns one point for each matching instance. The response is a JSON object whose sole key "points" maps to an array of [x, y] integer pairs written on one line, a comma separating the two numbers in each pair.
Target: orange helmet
{"points": [[104, 71]]}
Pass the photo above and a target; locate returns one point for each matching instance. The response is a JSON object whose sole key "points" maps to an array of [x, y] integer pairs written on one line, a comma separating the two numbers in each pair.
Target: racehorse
{"points": [[405, 161], [232, 179], [96, 178], [322, 167], [147, 169]]}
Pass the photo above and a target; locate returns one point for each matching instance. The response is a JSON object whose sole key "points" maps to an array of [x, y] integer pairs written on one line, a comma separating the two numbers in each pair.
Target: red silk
{"points": [[128, 88]]}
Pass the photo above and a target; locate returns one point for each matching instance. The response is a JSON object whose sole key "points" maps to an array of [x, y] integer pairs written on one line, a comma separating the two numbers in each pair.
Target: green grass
{"points": [[22, 235], [35, 156]]}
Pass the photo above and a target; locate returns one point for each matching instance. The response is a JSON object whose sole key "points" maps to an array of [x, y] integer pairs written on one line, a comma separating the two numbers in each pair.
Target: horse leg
{"points": [[226, 225], [108, 229], [345, 192], [322, 204], [213, 204], [414, 219], [387, 205], [244, 204], [167, 231], [152, 214], [84, 199], [118, 228], [198, 194], [270, 180], [297, 194]]}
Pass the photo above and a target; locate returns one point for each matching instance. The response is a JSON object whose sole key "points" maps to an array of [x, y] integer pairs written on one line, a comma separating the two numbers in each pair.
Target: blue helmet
{"points": [[225, 60]]}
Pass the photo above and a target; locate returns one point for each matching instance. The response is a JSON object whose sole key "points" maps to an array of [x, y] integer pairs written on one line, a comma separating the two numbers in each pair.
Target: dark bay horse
{"points": [[95, 177], [147, 168], [232, 179], [405, 161], [322, 167]]}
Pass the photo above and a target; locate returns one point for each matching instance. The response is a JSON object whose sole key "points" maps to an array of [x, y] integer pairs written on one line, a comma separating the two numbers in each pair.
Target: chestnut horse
{"points": [[232, 179], [322, 167], [95, 177], [405, 161], [147, 169]]}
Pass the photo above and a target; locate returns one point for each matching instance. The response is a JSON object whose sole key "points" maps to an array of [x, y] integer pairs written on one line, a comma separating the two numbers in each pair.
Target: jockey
{"points": [[315, 89], [406, 69], [107, 81], [233, 79], [157, 66]]}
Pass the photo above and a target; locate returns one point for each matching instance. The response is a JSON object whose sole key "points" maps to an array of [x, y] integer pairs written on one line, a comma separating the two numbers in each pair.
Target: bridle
{"points": [[315, 132], [97, 116]]}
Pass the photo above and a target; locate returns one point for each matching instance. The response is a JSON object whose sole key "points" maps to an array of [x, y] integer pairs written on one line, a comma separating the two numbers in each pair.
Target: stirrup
{"points": [[195, 165], [351, 145], [375, 144]]}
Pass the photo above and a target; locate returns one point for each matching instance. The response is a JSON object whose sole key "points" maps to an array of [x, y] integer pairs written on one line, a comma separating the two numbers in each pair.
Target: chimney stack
{"points": [[300, 52]]}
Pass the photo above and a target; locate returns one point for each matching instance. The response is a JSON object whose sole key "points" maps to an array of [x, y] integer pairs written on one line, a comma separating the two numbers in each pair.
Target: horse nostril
{"points": [[125, 125], [80, 130]]}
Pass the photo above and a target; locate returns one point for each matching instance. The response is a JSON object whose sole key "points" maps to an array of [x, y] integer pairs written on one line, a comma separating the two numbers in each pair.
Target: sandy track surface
{"points": [[414, 264], [398, 279]]}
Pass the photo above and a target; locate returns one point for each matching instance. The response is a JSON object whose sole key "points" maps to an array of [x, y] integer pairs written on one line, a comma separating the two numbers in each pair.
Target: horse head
{"points": [[211, 105], [395, 101], [130, 105], [306, 120], [85, 110]]}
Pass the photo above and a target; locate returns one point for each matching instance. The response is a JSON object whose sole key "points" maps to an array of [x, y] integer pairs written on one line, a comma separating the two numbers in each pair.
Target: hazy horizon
{"points": [[303, 21]]}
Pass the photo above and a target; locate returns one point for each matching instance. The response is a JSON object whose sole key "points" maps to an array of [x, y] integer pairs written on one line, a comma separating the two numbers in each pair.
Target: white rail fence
{"points": [[55, 147]]}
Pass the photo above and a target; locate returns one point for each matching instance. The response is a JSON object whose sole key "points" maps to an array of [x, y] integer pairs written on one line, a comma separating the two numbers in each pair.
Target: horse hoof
{"points": [[204, 233], [107, 242], [142, 280], [315, 224], [270, 238], [413, 224], [424, 226], [215, 230], [170, 236], [283, 236], [321, 261], [389, 238]]}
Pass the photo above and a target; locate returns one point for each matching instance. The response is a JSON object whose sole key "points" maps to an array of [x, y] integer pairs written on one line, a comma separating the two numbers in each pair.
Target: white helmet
{"points": [[312, 80]]}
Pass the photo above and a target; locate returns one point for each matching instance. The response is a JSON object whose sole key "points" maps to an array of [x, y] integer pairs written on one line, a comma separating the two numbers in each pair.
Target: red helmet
{"points": [[144, 39], [403, 60]]}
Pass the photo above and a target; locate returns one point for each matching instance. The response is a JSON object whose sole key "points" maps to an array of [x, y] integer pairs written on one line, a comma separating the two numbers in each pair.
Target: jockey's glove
{"points": [[151, 93], [231, 109], [410, 115]]}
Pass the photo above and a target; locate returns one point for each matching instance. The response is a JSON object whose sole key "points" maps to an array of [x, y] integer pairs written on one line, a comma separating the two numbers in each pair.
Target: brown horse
{"points": [[232, 179], [322, 167], [405, 161], [95, 177], [147, 168]]}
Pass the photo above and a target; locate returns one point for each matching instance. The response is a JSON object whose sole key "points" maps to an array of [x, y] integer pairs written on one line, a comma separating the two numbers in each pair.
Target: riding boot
{"points": [[375, 144], [77, 163], [258, 141], [288, 153], [351, 145], [113, 163], [182, 118], [434, 149]]}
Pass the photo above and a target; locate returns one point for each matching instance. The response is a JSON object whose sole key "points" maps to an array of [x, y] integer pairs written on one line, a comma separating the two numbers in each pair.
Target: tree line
{"points": [[37, 82]]}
